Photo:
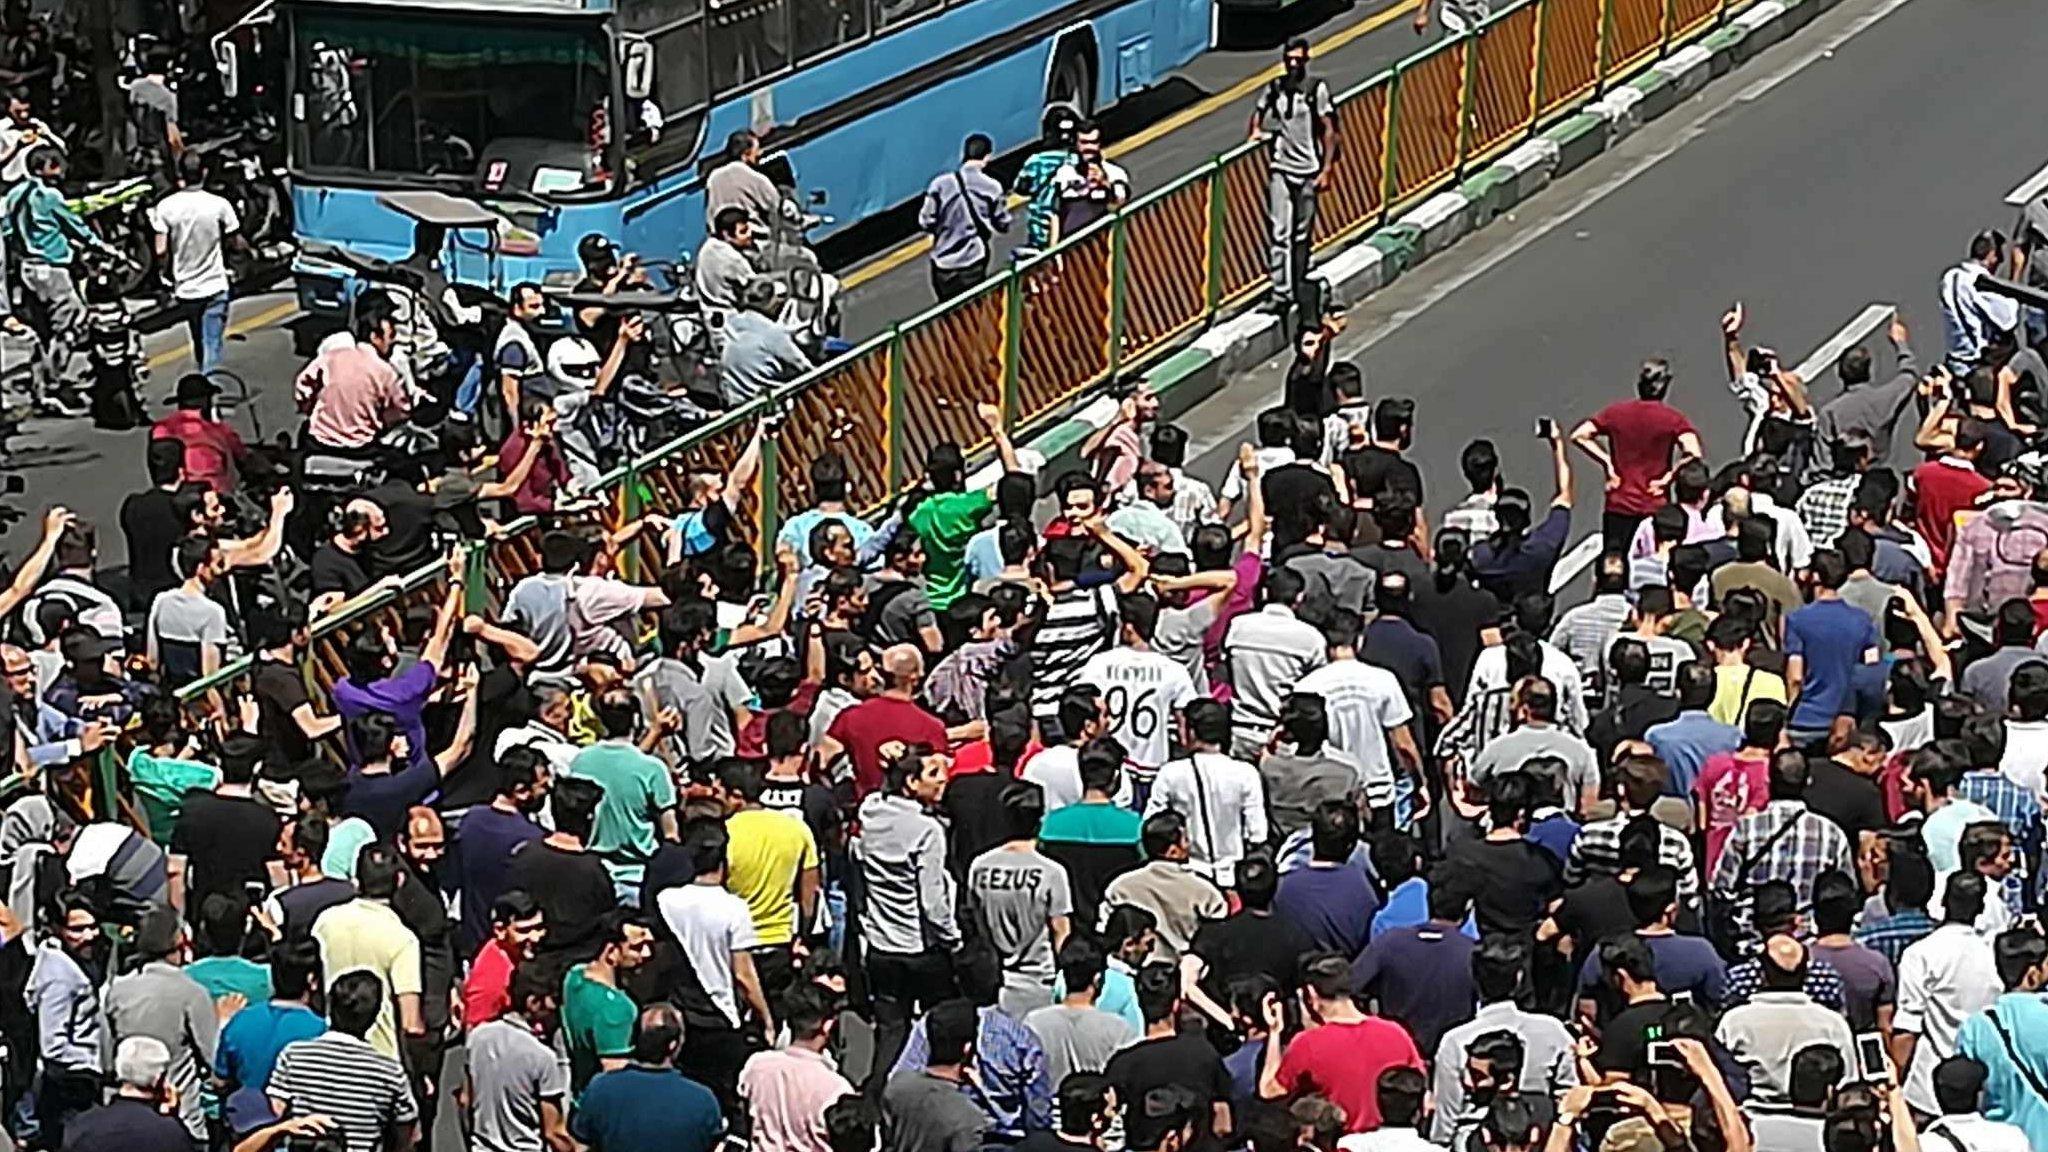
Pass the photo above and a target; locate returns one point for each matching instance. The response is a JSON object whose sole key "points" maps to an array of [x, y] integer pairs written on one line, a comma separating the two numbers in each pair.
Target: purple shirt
{"points": [[402, 697]]}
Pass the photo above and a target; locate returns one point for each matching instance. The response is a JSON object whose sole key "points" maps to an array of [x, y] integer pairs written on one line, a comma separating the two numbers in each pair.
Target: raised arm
{"points": [[992, 419], [1136, 565], [516, 479], [435, 651], [30, 574], [262, 548]]}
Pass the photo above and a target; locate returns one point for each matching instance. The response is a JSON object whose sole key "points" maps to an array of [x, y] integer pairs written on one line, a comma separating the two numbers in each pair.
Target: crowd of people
{"points": [[1284, 809]]}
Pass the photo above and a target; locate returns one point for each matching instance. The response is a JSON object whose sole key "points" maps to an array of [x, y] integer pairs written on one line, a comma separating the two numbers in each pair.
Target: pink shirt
{"points": [[787, 1093], [1117, 460], [1730, 786], [350, 395]]}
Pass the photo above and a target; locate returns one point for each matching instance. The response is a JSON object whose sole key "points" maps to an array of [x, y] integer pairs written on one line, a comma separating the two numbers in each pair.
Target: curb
{"points": [[1199, 371]]}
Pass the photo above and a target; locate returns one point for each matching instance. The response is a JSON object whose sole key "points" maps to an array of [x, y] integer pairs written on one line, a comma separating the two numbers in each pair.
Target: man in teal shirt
{"points": [[42, 231], [2010, 1038], [639, 795]]}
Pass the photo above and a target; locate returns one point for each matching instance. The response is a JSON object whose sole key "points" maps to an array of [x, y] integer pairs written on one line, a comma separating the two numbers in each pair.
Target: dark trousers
{"points": [[776, 967], [902, 986], [1618, 530], [950, 282], [713, 1057], [423, 1060], [62, 1093]]}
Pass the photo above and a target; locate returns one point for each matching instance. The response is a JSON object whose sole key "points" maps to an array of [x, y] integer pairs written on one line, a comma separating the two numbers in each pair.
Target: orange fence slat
{"points": [[845, 412], [1635, 33], [1065, 343], [1244, 229], [1165, 278], [1427, 112], [1358, 183], [1503, 80], [1568, 40], [951, 362], [1689, 16]]}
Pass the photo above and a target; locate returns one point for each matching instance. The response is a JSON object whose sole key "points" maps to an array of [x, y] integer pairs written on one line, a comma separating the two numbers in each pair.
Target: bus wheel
{"points": [[1073, 80]]}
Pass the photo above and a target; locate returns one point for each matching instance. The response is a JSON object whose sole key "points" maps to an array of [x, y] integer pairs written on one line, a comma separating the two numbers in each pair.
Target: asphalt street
{"points": [[1157, 135], [1829, 174]]}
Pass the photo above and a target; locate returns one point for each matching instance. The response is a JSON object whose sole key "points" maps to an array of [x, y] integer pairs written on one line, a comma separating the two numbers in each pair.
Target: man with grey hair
{"points": [[133, 1120], [159, 1002]]}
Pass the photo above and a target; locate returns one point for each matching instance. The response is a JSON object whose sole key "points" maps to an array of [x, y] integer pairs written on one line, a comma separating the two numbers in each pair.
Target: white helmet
{"points": [[573, 362]]}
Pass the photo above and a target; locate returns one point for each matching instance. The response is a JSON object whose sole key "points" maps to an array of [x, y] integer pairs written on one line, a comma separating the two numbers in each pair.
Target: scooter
{"points": [[810, 308]]}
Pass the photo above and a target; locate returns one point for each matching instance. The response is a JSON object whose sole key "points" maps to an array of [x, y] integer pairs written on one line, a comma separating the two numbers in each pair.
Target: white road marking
{"points": [[1866, 322], [1574, 562], [2024, 194]]}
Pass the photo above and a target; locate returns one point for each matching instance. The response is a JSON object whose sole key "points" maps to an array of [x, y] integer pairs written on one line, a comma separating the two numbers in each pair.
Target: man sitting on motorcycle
{"points": [[760, 355], [580, 378], [44, 232], [739, 183], [350, 393], [725, 264]]}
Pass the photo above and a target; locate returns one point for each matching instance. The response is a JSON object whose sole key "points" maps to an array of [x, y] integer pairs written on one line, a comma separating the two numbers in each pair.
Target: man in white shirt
{"points": [[1399, 1093], [1223, 800], [1944, 979], [1970, 316], [1962, 1127], [1500, 972], [1780, 1021], [1269, 651], [1083, 716], [1369, 713], [20, 134], [1142, 690], [193, 228], [1490, 672]]}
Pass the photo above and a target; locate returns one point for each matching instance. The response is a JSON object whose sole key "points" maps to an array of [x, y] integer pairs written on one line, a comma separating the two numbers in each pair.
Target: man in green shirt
{"points": [[41, 231], [950, 516], [597, 1016], [1097, 839], [639, 795]]}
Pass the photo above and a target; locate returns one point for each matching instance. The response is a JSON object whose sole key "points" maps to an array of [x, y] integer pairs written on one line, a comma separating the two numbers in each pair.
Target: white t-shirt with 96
{"points": [[197, 223], [1143, 691]]}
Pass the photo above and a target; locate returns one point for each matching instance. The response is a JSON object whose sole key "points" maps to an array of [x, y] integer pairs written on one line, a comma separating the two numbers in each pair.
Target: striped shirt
{"points": [[1597, 852], [341, 1076], [1079, 623], [1584, 634], [1824, 508]]}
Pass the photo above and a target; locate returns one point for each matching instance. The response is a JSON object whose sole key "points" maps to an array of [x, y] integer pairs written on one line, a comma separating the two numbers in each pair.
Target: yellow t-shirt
{"points": [[366, 936], [765, 854], [1736, 687]]}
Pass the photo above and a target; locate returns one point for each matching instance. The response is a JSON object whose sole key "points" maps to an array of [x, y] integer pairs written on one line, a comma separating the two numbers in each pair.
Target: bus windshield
{"points": [[471, 99]]}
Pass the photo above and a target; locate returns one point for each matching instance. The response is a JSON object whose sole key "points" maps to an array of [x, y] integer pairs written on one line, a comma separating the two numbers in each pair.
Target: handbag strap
{"points": [[981, 228], [2012, 1053]]}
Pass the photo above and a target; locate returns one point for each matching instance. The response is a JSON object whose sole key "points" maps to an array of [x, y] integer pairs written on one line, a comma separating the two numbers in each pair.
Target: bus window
{"points": [[749, 40], [643, 16], [822, 25], [889, 13], [679, 89]]}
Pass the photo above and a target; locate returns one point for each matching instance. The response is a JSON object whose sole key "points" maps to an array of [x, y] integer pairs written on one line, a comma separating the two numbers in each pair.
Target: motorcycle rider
{"points": [[350, 393], [20, 135], [581, 378], [739, 183], [44, 230], [607, 272], [759, 354], [725, 264]]}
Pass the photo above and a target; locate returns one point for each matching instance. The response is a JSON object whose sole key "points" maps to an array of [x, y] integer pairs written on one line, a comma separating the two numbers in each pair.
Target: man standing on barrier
{"points": [[1296, 113]]}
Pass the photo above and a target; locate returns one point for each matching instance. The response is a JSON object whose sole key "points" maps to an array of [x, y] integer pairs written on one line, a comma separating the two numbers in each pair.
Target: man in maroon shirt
{"points": [[213, 449], [1638, 456], [1947, 485], [891, 716]]}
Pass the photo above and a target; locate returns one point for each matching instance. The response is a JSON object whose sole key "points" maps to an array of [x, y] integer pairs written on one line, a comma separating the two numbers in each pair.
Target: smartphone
{"points": [[1546, 428], [1664, 1054], [1871, 1058], [1685, 997]]}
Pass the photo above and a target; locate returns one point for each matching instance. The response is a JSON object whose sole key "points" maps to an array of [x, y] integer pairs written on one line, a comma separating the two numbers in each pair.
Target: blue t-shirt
{"points": [[1407, 906], [402, 697], [483, 855], [250, 1043], [1685, 743], [382, 799], [1421, 977], [1831, 636], [1333, 907], [796, 532], [1683, 964], [638, 1107]]}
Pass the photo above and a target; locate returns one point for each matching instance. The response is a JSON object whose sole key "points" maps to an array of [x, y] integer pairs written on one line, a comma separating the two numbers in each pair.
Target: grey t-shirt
{"points": [[1179, 638], [182, 617], [1988, 681], [1344, 578], [1291, 117], [1019, 892], [1511, 750], [1296, 785], [904, 613], [1078, 1039], [510, 1073], [922, 1113]]}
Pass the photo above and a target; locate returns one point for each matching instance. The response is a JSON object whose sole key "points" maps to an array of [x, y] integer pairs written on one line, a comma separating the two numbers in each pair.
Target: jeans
{"points": [[207, 320], [63, 313], [1291, 212]]}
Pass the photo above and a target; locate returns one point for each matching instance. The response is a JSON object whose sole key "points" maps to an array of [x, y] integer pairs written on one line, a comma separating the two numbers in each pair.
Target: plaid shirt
{"points": [[1586, 632], [1597, 852], [1891, 936], [2014, 805], [1034, 181], [1823, 984], [1824, 508], [1015, 1085], [1813, 845]]}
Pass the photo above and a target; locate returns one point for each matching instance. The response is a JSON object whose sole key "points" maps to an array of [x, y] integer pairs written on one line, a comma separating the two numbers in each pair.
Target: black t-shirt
{"points": [[1853, 802], [1592, 912], [976, 816], [1383, 558], [280, 691], [408, 545], [1510, 882], [573, 890], [303, 903], [1244, 943], [1625, 1040], [1394, 644], [1373, 470], [227, 841], [336, 571], [502, 702], [152, 531], [1290, 491], [130, 1125], [1453, 617], [1186, 1061], [2000, 446], [420, 907]]}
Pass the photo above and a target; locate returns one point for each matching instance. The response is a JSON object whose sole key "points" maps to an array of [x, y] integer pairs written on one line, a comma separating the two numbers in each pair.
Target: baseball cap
{"points": [[194, 389], [596, 249]]}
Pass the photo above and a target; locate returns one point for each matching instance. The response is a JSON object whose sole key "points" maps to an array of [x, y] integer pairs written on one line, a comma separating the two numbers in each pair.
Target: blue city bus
{"points": [[571, 117]]}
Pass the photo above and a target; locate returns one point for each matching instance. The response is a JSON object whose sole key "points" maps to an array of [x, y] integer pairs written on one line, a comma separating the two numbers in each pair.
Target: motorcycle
{"points": [[240, 171], [809, 310], [118, 213]]}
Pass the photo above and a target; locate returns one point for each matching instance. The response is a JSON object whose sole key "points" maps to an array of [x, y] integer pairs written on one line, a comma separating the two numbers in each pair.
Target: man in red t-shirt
{"points": [[1342, 1056], [517, 928], [1945, 486], [1638, 456], [890, 716]]}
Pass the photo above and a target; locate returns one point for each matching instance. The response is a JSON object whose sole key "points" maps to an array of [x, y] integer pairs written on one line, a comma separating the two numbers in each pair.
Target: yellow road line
{"points": [[242, 327], [911, 250]]}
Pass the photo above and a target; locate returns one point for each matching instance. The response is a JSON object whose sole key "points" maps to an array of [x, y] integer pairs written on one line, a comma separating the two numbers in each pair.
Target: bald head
{"points": [[1784, 964], [903, 666], [657, 1034]]}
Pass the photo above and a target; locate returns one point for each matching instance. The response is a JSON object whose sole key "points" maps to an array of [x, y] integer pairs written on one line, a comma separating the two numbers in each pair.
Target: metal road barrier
{"points": [[1104, 302]]}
